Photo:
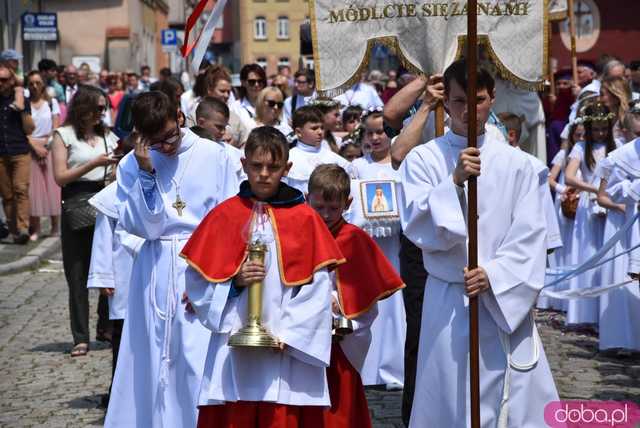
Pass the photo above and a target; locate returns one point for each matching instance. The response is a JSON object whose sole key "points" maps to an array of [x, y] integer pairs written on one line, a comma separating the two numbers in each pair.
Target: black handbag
{"points": [[79, 214]]}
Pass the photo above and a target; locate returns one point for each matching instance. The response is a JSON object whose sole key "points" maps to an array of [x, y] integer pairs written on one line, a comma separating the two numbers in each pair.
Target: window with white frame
{"points": [[262, 62], [260, 28], [283, 61], [283, 27]]}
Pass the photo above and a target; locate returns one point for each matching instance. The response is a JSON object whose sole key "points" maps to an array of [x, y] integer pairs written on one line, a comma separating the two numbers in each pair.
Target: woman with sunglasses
{"points": [[82, 160], [269, 110], [254, 80], [44, 193]]}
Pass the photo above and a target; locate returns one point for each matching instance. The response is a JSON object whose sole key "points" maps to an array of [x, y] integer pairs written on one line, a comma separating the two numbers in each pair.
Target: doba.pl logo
{"points": [[592, 414]]}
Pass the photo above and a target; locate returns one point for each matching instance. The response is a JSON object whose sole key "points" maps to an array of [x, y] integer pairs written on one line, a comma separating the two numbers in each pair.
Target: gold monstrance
{"points": [[253, 334]]}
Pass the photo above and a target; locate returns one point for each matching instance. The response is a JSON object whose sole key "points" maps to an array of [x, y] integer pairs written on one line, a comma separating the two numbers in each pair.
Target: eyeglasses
{"points": [[171, 138], [36, 83], [301, 82], [101, 109], [274, 104], [255, 82], [4, 79]]}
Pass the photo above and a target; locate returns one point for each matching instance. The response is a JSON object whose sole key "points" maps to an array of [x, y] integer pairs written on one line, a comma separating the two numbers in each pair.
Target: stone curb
{"points": [[33, 258]]}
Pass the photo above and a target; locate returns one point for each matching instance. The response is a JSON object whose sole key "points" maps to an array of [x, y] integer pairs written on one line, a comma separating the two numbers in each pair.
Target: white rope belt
{"points": [[172, 301]]}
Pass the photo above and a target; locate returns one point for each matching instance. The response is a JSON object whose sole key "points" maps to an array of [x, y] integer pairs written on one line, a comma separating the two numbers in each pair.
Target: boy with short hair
{"points": [[515, 380], [245, 386], [309, 151], [212, 117], [358, 285], [164, 188]]}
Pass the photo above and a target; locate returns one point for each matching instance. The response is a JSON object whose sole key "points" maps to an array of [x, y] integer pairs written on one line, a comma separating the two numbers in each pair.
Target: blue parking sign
{"points": [[169, 37]]}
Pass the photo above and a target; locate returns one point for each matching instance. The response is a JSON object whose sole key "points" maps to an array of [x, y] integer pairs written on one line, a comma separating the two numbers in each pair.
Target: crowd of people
{"points": [[361, 208]]}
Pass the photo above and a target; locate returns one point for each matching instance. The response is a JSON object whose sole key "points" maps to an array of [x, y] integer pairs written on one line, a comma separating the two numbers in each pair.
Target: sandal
{"points": [[80, 350]]}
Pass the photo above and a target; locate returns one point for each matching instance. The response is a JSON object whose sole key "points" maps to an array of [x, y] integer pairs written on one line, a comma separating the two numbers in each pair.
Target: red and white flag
{"points": [[199, 45]]}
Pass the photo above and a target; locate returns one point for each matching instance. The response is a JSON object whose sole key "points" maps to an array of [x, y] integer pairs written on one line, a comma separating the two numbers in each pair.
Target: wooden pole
{"points": [[439, 119], [472, 134], [572, 32]]}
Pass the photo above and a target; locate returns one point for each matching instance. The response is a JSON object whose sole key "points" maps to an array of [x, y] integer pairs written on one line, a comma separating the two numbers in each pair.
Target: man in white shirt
{"points": [[305, 84]]}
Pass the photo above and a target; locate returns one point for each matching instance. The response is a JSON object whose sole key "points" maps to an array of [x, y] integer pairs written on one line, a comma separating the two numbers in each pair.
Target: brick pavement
{"points": [[41, 385]]}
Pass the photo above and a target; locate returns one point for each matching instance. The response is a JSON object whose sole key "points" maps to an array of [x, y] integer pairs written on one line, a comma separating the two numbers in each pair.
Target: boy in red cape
{"points": [[264, 387], [366, 278]]}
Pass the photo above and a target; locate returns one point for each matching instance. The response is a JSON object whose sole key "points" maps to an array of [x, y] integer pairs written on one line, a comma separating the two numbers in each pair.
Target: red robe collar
{"points": [[367, 277], [304, 244]]}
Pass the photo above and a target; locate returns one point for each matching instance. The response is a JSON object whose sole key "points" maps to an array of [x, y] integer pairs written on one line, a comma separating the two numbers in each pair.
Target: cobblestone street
{"points": [[41, 385]]}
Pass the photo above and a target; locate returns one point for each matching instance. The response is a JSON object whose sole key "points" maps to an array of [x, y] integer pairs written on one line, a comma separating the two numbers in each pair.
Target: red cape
{"points": [[305, 245], [367, 277]]}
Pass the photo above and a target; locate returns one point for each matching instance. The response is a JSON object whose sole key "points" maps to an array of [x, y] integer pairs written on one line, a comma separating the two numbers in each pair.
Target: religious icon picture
{"points": [[379, 199]]}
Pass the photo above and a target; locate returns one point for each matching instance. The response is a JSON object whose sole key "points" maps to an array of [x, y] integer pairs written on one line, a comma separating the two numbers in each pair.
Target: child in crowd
{"points": [[358, 285], [112, 255], [212, 117], [588, 229], [384, 364], [330, 110], [310, 150], [278, 387]]}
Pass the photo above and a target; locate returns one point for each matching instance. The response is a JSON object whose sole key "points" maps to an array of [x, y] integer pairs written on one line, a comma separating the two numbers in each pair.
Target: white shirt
{"points": [[361, 94], [43, 117], [306, 158]]}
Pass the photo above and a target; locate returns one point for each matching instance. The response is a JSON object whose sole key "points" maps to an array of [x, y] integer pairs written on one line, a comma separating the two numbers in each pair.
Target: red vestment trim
{"points": [[367, 277], [217, 247]]}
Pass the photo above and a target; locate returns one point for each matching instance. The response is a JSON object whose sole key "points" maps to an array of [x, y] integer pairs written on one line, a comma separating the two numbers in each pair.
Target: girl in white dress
{"points": [[587, 237], [561, 256], [384, 363]]}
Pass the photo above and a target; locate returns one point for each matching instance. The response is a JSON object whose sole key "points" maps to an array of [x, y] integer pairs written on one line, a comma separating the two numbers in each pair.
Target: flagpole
{"points": [[472, 134], [572, 33]]}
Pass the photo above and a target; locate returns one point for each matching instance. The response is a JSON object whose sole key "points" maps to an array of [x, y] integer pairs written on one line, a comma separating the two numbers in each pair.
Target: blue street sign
{"points": [[40, 26], [169, 37]]}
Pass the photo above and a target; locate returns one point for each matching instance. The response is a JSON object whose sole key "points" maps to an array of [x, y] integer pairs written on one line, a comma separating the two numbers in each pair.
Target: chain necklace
{"points": [[179, 204]]}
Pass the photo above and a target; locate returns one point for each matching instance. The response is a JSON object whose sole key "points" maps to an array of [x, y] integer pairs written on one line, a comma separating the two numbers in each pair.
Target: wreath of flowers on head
{"points": [[601, 114], [368, 112]]}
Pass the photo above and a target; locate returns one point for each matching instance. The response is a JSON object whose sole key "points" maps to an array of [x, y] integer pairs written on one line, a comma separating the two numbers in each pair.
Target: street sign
{"points": [[169, 40], [40, 27]]}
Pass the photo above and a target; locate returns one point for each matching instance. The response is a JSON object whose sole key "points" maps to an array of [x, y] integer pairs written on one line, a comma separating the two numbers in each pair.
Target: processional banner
{"points": [[427, 35]]}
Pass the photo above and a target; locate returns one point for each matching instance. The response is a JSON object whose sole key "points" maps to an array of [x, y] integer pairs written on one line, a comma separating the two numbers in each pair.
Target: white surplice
{"points": [[163, 348], [619, 320], [306, 158], [298, 316], [384, 363], [356, 344], [512, 250], [112, 253]]}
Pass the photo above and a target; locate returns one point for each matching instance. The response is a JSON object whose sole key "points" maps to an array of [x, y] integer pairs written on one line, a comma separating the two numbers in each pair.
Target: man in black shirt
{"points": [[15, 157]]}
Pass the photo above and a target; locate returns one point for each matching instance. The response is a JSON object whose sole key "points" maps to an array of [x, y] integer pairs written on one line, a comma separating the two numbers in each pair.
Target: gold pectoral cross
{"points": [[179, 205]]}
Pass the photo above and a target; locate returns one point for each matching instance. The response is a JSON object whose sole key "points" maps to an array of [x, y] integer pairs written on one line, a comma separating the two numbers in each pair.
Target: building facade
{"points": [[270, 32], [115, 34]]}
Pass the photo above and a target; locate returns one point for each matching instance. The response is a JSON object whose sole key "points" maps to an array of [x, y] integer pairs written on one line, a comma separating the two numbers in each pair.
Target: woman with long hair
{"points": [[82, 161], [44, 193], [615, 93], [587, 237], [269, 110]]}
